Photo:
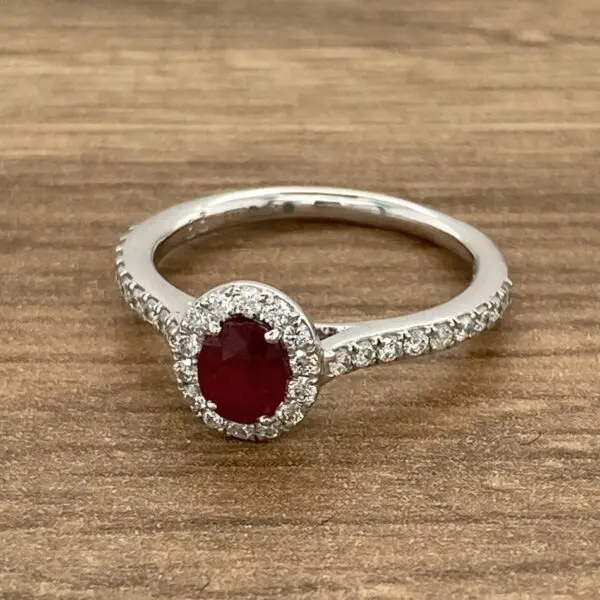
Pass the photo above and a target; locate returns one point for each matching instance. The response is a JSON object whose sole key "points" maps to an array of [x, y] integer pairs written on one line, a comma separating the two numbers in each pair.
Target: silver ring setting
{"points": [[247, 359]]}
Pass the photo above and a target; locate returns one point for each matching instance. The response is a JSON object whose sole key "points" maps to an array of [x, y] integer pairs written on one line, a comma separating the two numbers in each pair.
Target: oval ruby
{"points": [[244, 375]]}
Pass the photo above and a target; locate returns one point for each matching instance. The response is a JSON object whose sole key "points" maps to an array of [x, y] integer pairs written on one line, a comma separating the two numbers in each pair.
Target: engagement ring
{"points": [[247, 359]]}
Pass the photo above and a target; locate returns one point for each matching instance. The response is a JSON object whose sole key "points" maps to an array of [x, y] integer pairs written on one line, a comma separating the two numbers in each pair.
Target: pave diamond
{"points": [[187, 346], [290, 415], [212, 419], [364, 354], [218, 306], [266, 429], [464, 328], [305, 364], [504, 299], [241, 432], [256, 303], [481, 319], [341, 363], [441, 337], [495, 312], [191, 396], [184, 370], [127, 288], [137, 300], [302, 391], [150, 309], [298, 336], [169, 326], [237, 303], [202, 321], [389, 348], [416, 342], [189, 390], [277, 313]]}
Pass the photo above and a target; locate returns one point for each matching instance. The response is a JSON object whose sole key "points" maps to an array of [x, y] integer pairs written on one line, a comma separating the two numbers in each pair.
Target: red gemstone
{"points": [[243, 374]]}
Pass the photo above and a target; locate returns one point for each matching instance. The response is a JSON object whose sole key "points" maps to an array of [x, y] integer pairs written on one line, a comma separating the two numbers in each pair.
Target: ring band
{"points": [[247, 358]]}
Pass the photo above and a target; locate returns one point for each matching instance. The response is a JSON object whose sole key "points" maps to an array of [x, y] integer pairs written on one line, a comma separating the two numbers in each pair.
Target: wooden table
{"points": [[471, 474]]}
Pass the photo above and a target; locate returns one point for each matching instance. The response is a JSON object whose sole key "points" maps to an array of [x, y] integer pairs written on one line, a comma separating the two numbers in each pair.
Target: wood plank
{"points": [[470, 474]]}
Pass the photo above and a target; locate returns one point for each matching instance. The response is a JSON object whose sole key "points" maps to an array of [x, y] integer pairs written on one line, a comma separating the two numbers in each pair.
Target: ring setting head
{"points": [[247, 360]]}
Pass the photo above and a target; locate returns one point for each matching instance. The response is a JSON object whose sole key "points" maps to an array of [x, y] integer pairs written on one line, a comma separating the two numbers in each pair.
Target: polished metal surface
{"points": [[151, 239]]}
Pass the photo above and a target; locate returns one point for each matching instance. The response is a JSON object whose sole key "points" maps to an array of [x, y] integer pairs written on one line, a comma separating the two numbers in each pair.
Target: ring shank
{"points": [[152, 239], [320, 206]]}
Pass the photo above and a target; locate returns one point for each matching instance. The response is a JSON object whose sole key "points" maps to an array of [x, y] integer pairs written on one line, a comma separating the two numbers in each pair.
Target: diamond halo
{"points": [[292, 328]]}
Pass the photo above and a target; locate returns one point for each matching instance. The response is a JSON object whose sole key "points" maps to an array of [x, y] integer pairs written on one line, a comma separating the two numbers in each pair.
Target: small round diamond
{"points": [[184, 370], [341, 363], [136, 299], [236, 304], [495, 312], [305, 364], [169, 326], [504, 300], [250, 304], [122, 273], [416, 342], [194, 401], [481, 319], [189, 390], [364, 354], [302, 391], [277, 313], [389, 348], [266, 429], [441, 337], [255, 303], [212, 419], [241, 432], [298, 335], [464, 328], [186, 345], [151, 309], [127, 288], [290, 415], [201, 321], [213, 305]]}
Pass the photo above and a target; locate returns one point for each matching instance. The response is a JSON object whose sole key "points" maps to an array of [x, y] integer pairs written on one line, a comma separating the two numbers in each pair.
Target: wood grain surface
{"points": [[473, 474]]}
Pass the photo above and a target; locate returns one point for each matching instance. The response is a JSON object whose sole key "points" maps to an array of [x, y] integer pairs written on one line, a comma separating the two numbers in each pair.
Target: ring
{"points": [[246, 357]]}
